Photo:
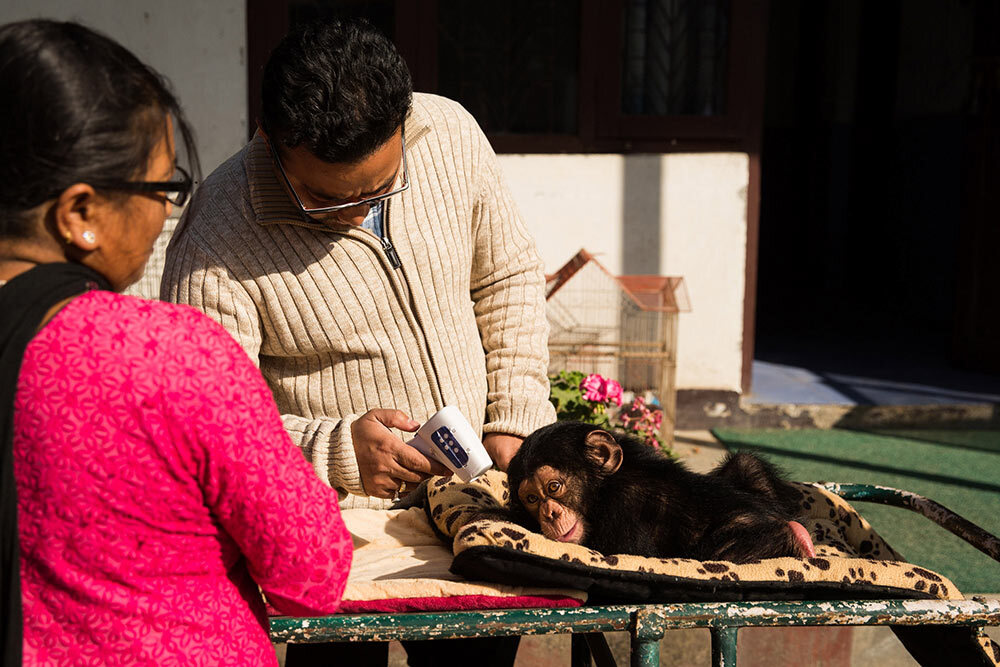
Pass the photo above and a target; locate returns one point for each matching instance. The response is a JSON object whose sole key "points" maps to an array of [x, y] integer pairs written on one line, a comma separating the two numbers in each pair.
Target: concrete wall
{"points": [[199, 46], [675, 214]]}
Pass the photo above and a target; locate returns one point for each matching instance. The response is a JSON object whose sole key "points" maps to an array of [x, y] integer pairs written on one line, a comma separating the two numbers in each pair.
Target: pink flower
{"points": [[614, 392], [595, 388]]}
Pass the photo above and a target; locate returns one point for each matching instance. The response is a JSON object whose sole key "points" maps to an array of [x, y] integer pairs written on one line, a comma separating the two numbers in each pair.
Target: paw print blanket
{"points": [[852, 562]]}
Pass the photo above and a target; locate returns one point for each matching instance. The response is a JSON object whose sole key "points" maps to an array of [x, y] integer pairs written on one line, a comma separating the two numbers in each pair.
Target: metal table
{"points": [[647, 623]]}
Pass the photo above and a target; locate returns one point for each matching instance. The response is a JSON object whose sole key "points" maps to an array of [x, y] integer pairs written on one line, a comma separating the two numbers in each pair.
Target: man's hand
{"points": [[385, 462], [501, 448]]}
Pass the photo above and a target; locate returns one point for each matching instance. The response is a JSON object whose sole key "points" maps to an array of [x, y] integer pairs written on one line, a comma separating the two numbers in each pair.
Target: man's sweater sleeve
{"points": [[508, 291], [200, 279]]}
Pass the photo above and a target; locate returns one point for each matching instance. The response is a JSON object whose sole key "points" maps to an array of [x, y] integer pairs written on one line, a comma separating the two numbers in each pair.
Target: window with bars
{"points": [[514, 65], [674, 60]]}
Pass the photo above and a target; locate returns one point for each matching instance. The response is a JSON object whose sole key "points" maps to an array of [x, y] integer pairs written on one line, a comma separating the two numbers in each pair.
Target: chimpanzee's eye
{"points": [[530, 499], [553, 486]]}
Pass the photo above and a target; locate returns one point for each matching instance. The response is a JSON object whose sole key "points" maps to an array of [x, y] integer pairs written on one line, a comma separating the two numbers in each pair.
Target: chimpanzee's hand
{"points": [[386, 463], [501, 448]]}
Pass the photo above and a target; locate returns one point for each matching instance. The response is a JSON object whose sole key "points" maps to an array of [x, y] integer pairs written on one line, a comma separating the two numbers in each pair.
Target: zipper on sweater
{"points": [[390, 251], [425, 351]]}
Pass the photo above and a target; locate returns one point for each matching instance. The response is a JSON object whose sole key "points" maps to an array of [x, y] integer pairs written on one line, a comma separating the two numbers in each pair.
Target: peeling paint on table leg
{"points": [[644, 652], [724, 646]]}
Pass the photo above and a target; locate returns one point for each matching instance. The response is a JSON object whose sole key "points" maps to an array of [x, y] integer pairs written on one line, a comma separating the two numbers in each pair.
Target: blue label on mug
{"points": [[445, 441]]}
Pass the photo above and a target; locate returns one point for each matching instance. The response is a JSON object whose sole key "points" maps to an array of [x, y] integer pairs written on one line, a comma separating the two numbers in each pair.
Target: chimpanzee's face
{"points": [[553, 499]]}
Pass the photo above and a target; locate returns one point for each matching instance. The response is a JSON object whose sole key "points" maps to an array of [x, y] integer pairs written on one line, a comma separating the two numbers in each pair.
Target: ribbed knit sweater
{"points": [[338, 328]]}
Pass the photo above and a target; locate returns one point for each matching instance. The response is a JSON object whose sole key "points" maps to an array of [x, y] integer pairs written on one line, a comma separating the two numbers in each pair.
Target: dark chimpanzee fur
{"points": [[654, 506]]}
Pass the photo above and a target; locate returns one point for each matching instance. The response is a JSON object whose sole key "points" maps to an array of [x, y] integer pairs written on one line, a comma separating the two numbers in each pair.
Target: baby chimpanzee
{"points": [[615, 495]]}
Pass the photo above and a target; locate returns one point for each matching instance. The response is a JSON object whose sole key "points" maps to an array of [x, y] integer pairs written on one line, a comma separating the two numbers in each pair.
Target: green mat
{"points": [[959, 469]]}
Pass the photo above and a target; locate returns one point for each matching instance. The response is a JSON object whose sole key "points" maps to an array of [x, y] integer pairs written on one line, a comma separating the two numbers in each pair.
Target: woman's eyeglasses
{"points": [[176, 192]]}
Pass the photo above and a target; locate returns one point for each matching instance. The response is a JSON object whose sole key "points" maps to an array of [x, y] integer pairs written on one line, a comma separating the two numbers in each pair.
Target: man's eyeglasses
{"points": [[176, 192], [367, 201]]}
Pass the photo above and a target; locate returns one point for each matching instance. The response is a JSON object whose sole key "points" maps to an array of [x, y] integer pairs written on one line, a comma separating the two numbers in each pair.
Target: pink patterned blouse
{"points": [[156, 490]]}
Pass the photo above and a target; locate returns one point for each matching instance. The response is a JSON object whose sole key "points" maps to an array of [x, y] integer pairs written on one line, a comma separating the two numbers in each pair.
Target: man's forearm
{"points": [[326, 443]]}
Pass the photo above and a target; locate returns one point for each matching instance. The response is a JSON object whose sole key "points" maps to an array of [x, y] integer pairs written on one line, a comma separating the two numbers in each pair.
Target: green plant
{"points": [[597, 400], [576, 399]]}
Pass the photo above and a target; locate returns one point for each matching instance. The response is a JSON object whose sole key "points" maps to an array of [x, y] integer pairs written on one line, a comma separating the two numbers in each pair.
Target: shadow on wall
{"points": [[642, 229]]}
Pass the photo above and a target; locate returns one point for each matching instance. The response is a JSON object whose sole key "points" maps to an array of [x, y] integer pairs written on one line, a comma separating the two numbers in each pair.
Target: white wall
{"points": [[674, 214], [199, 46]]}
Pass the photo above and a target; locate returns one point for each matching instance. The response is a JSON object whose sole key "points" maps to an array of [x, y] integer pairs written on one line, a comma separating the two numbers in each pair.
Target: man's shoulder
{"points": [[449, 125], [230, 175], [438, 112], [221, 204]]}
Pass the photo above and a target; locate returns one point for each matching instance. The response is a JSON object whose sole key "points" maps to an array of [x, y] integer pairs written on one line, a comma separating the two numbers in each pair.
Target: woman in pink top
{"points": [[156, 489]]}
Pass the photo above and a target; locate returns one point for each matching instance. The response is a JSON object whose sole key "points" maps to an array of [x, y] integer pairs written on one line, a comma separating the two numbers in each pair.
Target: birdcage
{"points": [[623, 327]]}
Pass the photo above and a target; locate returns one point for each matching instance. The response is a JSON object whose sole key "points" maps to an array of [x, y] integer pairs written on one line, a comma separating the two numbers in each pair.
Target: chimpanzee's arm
{"points": [[515, 515]]}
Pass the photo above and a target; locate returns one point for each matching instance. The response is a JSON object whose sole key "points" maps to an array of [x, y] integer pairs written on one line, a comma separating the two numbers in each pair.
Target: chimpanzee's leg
{"points": [[750, 534], [752, 474]]}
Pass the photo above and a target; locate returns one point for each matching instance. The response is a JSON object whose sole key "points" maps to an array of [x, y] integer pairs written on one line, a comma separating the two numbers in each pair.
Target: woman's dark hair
{"points": [[339, 87], [77, 108]]}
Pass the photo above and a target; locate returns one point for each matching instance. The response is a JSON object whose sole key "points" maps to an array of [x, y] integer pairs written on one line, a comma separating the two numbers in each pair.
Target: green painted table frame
{"points": [[647, 623]]}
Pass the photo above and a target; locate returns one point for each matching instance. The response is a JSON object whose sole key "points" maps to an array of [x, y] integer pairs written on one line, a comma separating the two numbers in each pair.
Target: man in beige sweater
{"points": [[365, 250]]}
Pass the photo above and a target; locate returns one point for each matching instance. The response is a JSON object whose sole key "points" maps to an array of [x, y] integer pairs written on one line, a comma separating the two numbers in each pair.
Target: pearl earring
{"points": [[89, 236]]}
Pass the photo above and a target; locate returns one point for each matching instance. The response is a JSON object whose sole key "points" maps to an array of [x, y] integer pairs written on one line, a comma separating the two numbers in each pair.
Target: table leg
{"points": [[724, 646]]}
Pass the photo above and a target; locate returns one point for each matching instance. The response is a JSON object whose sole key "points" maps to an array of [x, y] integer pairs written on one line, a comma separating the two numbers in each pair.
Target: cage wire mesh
{"points": [[622, 327]]}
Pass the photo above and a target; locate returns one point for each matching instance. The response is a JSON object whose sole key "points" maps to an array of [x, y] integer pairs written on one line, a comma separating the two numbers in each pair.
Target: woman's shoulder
{"points": [[155, 345], [117, 306], [124, 319]]}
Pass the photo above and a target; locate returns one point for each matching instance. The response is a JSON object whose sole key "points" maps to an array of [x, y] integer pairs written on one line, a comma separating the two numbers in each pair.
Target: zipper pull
{"points": [[390, 252]]}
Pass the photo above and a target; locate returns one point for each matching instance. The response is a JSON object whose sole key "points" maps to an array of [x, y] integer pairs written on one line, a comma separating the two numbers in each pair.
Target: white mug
{"points": [[449, 438]]}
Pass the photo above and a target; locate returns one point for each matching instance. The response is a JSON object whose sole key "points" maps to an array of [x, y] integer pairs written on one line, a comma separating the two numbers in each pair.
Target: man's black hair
{"points": [[338, 87]]}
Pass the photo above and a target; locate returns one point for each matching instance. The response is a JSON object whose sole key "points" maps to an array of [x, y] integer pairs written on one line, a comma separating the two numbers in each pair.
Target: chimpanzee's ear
{"points": [[604, 451]]}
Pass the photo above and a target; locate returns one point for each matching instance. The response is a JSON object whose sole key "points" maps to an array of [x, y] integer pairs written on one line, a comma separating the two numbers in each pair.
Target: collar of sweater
{"points": [[271, 203]]}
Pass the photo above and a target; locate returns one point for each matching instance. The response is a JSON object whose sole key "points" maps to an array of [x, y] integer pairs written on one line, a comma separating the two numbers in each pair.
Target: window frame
{"points": [[719, 131], [602, 126]]}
